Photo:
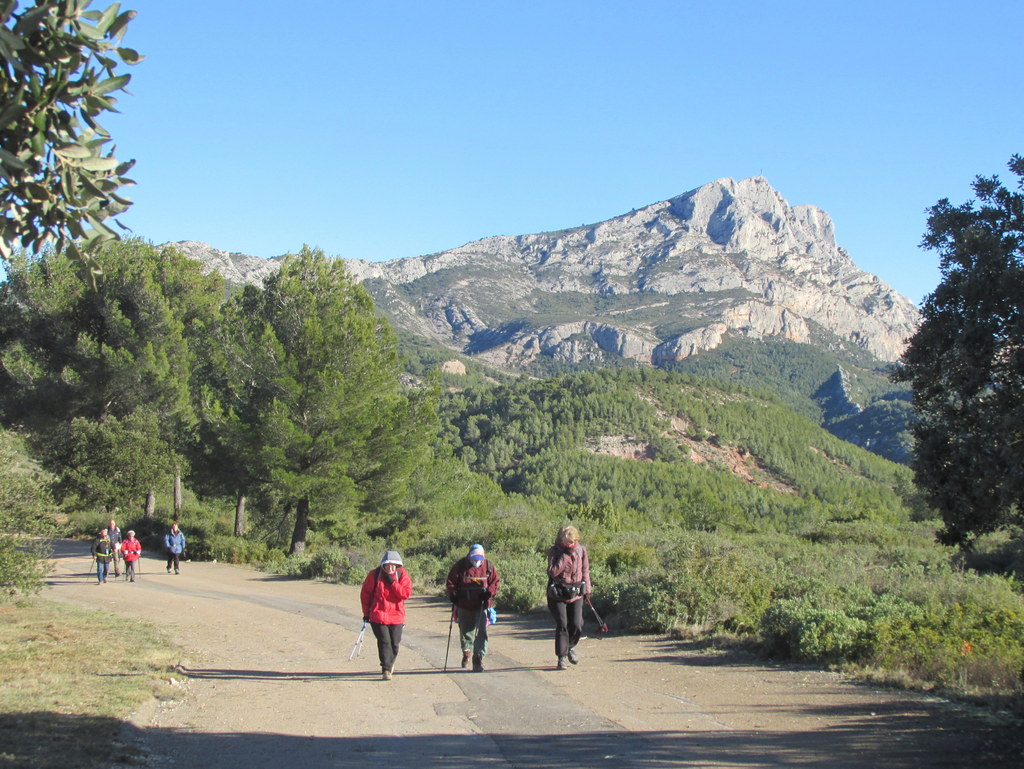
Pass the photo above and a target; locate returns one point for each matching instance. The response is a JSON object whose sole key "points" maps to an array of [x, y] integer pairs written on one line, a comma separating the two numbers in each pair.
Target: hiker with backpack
{"points": [[471, 586], [102, 553], [383, 597], [568, 586]]}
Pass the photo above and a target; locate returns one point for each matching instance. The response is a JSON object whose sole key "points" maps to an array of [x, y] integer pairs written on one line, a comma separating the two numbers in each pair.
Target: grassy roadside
{"points": [[68, 680]]}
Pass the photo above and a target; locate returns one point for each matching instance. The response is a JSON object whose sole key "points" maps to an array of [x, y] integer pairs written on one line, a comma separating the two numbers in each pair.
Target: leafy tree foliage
{"points": [[25, 520], [310, 394], [59, 181], [101, 375], [966, 363]]}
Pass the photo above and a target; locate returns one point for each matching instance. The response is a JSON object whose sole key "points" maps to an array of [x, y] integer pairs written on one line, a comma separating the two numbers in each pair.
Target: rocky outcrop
{"points": [[656, 285]]}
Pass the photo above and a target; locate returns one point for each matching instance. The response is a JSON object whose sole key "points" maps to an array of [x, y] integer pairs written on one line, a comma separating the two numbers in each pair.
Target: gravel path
{"points": [[265, 681]]}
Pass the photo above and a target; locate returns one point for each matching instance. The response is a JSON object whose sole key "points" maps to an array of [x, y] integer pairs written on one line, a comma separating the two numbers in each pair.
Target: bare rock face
{"points": [[655, 285], [233, 267]]}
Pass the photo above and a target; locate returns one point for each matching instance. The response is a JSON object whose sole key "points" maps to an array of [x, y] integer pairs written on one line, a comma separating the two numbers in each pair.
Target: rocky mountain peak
{"points": [[751, 216], [658, 284]]}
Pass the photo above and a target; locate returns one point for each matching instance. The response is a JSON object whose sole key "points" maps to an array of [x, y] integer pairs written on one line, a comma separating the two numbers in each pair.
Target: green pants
{"points": [[473, 631]]}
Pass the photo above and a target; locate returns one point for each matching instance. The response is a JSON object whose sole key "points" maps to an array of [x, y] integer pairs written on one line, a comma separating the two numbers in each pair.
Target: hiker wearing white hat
{"points": [[383, 596], [471, 586]]}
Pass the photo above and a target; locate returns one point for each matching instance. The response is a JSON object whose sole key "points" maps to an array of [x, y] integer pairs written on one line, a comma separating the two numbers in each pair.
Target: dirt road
{"points": [[265, 681]]}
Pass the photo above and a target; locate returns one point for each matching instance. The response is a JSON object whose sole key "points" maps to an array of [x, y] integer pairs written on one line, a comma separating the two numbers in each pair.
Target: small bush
{"points": [[802, 630], [523, 581]]}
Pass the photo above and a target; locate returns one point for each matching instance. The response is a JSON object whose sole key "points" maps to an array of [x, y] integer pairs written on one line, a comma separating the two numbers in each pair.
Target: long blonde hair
{"points": [[569, 535]]}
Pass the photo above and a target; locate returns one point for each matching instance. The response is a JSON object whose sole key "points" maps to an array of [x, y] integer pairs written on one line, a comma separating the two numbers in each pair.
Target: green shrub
{"points": [[236, 550], [645, 602], [523, 580], [802, 630]]}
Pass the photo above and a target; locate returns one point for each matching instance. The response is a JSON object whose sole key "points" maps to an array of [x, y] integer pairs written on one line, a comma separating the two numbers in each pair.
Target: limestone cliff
{"points": [[658, 284]]}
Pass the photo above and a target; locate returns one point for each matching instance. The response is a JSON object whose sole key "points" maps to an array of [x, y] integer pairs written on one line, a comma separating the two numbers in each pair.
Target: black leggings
{"points": [[389, 638], [568, 624]]}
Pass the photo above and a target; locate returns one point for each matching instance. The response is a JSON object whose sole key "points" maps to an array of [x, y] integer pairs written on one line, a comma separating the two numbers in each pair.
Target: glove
{"points": [[366, 619], [453, 599], [486, 595]]}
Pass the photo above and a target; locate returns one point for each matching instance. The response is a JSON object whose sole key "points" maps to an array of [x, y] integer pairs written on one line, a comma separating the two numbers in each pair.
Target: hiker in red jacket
{"points": [[131, 549], [383, 597]]}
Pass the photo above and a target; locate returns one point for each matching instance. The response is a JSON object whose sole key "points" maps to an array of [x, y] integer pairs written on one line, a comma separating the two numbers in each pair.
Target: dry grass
{"points": [[68, 680]]}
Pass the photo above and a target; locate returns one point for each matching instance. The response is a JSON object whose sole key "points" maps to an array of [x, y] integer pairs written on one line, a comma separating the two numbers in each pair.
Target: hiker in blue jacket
{"points": [[174, 542]]}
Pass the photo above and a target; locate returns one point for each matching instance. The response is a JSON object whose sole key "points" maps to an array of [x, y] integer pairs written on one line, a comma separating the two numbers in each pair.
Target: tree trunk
{"points": [[150, 504], [240, 515], [301, 525], [177, 494]]}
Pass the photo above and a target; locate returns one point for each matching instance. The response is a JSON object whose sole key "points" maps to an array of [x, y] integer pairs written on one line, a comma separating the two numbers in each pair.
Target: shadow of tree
{"points": [[43, 740]]}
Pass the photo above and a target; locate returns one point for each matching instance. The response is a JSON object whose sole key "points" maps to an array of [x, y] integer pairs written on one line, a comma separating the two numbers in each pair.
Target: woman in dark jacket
{"points": [[471, 585], [568, 585]]}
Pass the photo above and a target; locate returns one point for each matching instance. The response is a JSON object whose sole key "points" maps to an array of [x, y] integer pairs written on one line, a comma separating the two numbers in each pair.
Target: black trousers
{"points": [[173, 559], [389, 638], [568, 624]]}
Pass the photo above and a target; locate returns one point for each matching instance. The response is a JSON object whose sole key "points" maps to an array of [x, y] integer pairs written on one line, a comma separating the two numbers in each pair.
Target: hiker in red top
{"points": [[568, 585], [131, 549], [471, 586], [383, 597]]}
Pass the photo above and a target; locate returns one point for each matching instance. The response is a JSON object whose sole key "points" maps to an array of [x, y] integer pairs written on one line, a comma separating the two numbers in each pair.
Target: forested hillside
{"points": [[698, 452]]}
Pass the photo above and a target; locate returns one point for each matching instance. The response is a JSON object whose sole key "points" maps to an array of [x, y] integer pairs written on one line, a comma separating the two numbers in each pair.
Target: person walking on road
{"points": [[131, 549], [568, 586], [115, 542], [383, 597], [471, 586], [174, 542], [102, 552]]}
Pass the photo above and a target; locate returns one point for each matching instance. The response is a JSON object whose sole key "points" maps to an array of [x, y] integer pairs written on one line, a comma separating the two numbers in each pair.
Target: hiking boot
{"points": [[478, 663], [385, 674], [563, 664], [465, 659], [573, 657]]}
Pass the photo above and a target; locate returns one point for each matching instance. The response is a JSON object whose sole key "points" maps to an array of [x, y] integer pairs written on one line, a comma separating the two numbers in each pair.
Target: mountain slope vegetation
{"points": [[705, 453]]}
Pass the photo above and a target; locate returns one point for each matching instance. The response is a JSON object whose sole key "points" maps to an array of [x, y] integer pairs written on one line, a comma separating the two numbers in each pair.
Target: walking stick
{"points": [[602, 626], [358, 648], [448, 649]]}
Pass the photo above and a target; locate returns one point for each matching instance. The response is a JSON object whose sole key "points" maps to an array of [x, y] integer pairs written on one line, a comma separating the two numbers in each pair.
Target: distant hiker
{"points": [[472, 584], [115, 542], [383, 598], [174, 542], [568, 585], [102, 552], [131, 549]]}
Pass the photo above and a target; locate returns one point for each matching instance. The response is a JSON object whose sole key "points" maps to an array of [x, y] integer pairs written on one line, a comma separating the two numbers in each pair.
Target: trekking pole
{"points": [[602, 626], [451, 621], [357, 649]]}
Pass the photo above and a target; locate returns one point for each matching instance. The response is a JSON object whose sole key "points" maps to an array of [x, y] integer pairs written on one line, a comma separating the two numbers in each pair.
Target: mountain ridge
{"points": [[655, 285]]}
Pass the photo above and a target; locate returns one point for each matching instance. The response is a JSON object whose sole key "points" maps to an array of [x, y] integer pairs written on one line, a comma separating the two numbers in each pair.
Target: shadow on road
{"points": [[47, 741]]}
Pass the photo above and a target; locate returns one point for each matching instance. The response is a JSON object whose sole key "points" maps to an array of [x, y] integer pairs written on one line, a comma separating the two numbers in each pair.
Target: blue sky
{"points": [[379, 130]]}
